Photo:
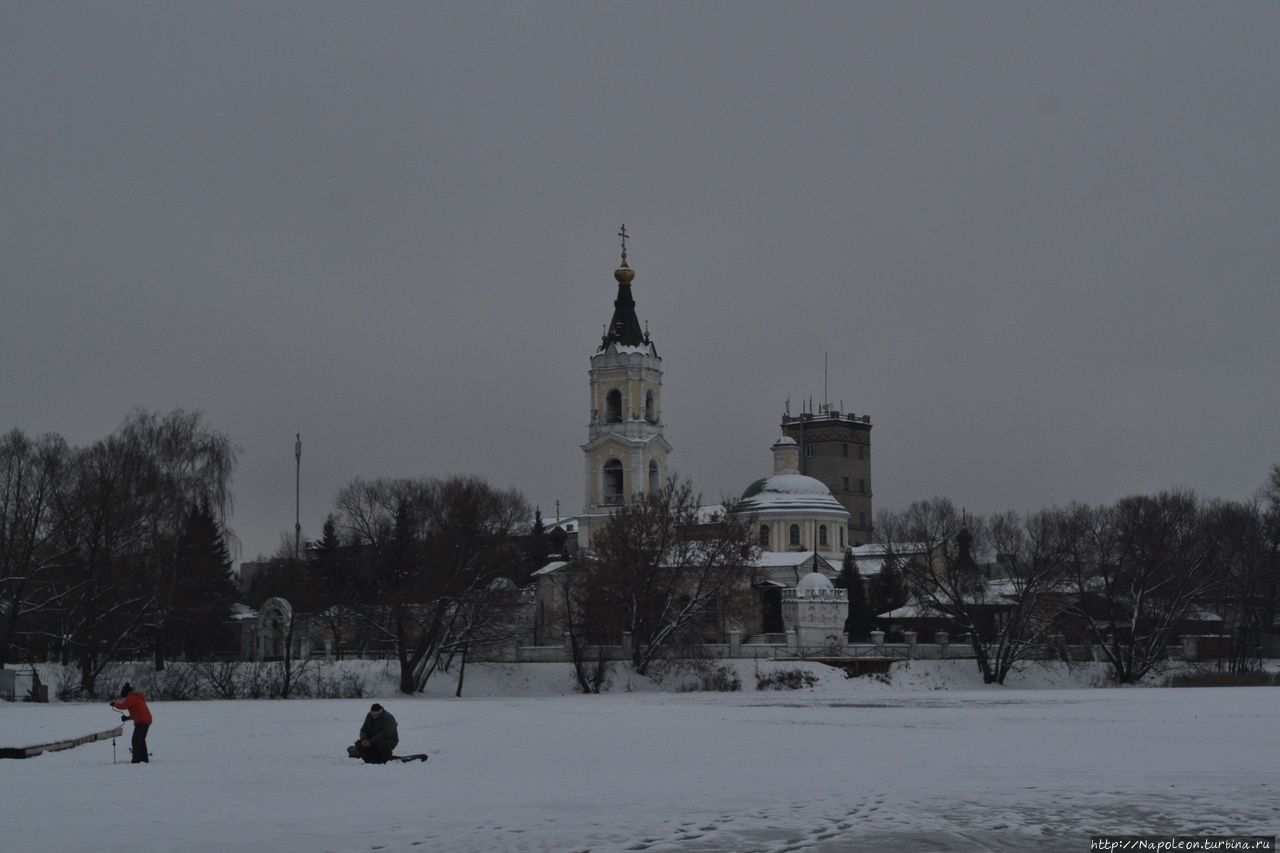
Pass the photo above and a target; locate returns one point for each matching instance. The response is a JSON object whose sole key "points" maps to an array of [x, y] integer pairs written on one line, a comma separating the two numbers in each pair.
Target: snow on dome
{"points": [[788, 493], [795, 484], [814, 582], [794, 493], [786, 484]]}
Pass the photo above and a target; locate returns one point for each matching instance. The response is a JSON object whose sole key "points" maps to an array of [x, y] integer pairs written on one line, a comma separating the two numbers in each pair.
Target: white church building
{"points": [[803, 529]]}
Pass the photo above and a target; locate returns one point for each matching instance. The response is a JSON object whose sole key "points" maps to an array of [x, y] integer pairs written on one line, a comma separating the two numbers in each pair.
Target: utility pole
{"points": [[297, 498]]}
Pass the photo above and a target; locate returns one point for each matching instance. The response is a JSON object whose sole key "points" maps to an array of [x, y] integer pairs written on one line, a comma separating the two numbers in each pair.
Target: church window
{"points": [[613, 482], [862, 486], [846, 484], [794, 537], [655, 478], [822, 535], [764, 536], [808, 450], [862, 451], [842, 537], [650, 408], [844, 448], [613, 406]]}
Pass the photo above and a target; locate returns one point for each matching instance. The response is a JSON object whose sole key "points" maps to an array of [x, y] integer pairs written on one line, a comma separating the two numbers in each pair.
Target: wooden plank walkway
{"points": [[30, 751]]}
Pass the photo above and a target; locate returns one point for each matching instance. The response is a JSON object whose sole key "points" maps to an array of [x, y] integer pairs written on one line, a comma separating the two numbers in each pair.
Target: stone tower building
{"points": [[835, 448], [626, 452], [815, 610]]}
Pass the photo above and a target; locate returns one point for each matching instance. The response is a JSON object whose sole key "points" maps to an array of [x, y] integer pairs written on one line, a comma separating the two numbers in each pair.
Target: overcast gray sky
{"points": [[1039, 241]]}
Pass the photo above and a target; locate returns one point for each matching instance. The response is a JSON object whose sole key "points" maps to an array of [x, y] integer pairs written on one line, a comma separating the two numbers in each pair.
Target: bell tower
{"points": [[626, 452]]}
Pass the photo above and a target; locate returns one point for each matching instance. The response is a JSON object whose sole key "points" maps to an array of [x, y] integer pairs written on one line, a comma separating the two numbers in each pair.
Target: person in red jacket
{"points": [[136, 705]]}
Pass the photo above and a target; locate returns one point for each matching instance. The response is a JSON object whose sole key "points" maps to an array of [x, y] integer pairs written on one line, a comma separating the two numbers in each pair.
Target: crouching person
{"points": [[378, 736]]}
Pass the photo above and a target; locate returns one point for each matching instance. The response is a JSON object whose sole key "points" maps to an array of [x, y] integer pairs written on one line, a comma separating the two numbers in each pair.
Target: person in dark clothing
{"points": [[379, 736], [136, 705]]}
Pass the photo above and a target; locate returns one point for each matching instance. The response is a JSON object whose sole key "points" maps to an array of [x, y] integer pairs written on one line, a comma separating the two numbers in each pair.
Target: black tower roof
{"points": [[624, 329]]}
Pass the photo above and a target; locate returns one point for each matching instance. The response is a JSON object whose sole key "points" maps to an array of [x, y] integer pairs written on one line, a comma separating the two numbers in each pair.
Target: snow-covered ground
{"points": [[845, 765]]}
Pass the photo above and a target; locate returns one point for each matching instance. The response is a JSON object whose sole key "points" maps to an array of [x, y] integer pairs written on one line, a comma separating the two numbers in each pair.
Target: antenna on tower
{"points": [[826, 404]]}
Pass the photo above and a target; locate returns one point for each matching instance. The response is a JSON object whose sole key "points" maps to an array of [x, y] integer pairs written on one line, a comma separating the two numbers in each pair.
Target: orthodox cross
{"points": [[623, 234]]}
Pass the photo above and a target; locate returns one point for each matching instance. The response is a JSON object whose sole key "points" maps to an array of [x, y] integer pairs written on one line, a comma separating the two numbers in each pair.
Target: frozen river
{"points": [[1000, 769]]}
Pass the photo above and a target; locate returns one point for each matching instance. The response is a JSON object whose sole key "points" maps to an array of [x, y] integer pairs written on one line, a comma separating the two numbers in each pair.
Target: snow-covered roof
{"points": [[789, 559], [711, 513], [870, 559], [243, 611], [1199, 614], [551, 568], [641, 349], [913, 609]]}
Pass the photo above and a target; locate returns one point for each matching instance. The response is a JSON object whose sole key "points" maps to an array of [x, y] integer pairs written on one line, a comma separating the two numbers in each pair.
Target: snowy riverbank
{"points": [[360, 679]]}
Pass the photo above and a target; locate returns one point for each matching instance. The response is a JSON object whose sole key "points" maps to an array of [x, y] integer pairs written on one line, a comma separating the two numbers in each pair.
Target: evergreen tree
{"points": [[203, 590], [328, 564], [538, 545], [857, 626], [888, 592], [334, 584]]}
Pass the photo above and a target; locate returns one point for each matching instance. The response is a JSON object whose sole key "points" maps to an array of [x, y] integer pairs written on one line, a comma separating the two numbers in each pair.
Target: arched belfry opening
{"points": [[650, 408], [613, 407], [655, 477], [613, 482]]}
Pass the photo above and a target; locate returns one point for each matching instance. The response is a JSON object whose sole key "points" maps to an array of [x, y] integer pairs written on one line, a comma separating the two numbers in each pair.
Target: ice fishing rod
{"points": [[113, 737]]}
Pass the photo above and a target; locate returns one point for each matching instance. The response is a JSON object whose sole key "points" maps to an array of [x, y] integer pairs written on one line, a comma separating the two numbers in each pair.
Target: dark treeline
{"points": [[1128, 578], [117, 550], [427, 570]]}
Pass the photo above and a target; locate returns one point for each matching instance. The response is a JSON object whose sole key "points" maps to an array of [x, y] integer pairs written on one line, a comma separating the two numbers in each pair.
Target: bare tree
{"points": [[32, 545], [1269, 504], [670, 577], [1004, 609], [591, 621], [104, 594], [1137, 570], [431, 551], [1246, 541], [292, 575]]}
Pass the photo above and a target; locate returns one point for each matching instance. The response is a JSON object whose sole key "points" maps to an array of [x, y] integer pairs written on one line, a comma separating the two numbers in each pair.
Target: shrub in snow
{"points": [[1223, 679], [785, 679], [722, 679]]}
